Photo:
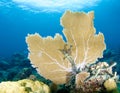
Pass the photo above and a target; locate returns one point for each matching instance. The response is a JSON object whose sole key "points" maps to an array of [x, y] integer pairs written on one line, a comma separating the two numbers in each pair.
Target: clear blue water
{"points": [[16, 23]]}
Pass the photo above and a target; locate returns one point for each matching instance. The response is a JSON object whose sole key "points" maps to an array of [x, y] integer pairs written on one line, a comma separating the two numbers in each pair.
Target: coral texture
{"points": [[110, 84], [56, 58], [24, 86], [101, 78]]}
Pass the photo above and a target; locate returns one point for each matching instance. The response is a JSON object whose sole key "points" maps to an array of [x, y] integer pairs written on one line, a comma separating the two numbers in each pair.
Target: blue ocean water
{"points": [[17, 22]]}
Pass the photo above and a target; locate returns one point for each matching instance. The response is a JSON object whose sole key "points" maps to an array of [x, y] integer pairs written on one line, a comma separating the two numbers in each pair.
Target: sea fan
{"points": [[56, 59]]}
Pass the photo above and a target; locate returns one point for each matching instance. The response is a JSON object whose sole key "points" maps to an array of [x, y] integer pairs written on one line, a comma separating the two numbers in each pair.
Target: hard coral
{"points": [[24, 86], [101, 78], [58, 60]]}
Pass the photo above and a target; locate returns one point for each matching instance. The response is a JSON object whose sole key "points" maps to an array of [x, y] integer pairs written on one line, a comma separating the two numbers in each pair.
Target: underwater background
{"points": [[17, 19], [20, 17]]}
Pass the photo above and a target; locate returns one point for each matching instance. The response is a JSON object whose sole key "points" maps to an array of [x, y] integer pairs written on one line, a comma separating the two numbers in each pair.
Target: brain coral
{"points": [[56, 58]]}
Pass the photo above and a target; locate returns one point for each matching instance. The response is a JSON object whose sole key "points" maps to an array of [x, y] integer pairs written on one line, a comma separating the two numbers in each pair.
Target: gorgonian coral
{"points": [[60, 61]]}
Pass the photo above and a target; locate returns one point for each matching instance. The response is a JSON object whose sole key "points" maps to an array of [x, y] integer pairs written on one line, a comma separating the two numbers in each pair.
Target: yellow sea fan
{"points": [[80, 33], [56, 58]]}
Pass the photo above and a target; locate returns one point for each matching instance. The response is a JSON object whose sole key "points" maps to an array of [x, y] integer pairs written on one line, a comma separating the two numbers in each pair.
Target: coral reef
{"points": [[73, 62], [8, 72], [99, 79], [111, 56], [18, 67], [76, 63], [24, 86]]}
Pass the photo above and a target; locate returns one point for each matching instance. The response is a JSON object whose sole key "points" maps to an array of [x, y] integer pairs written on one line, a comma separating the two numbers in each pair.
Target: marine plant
{"points": [[72, 62]]}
